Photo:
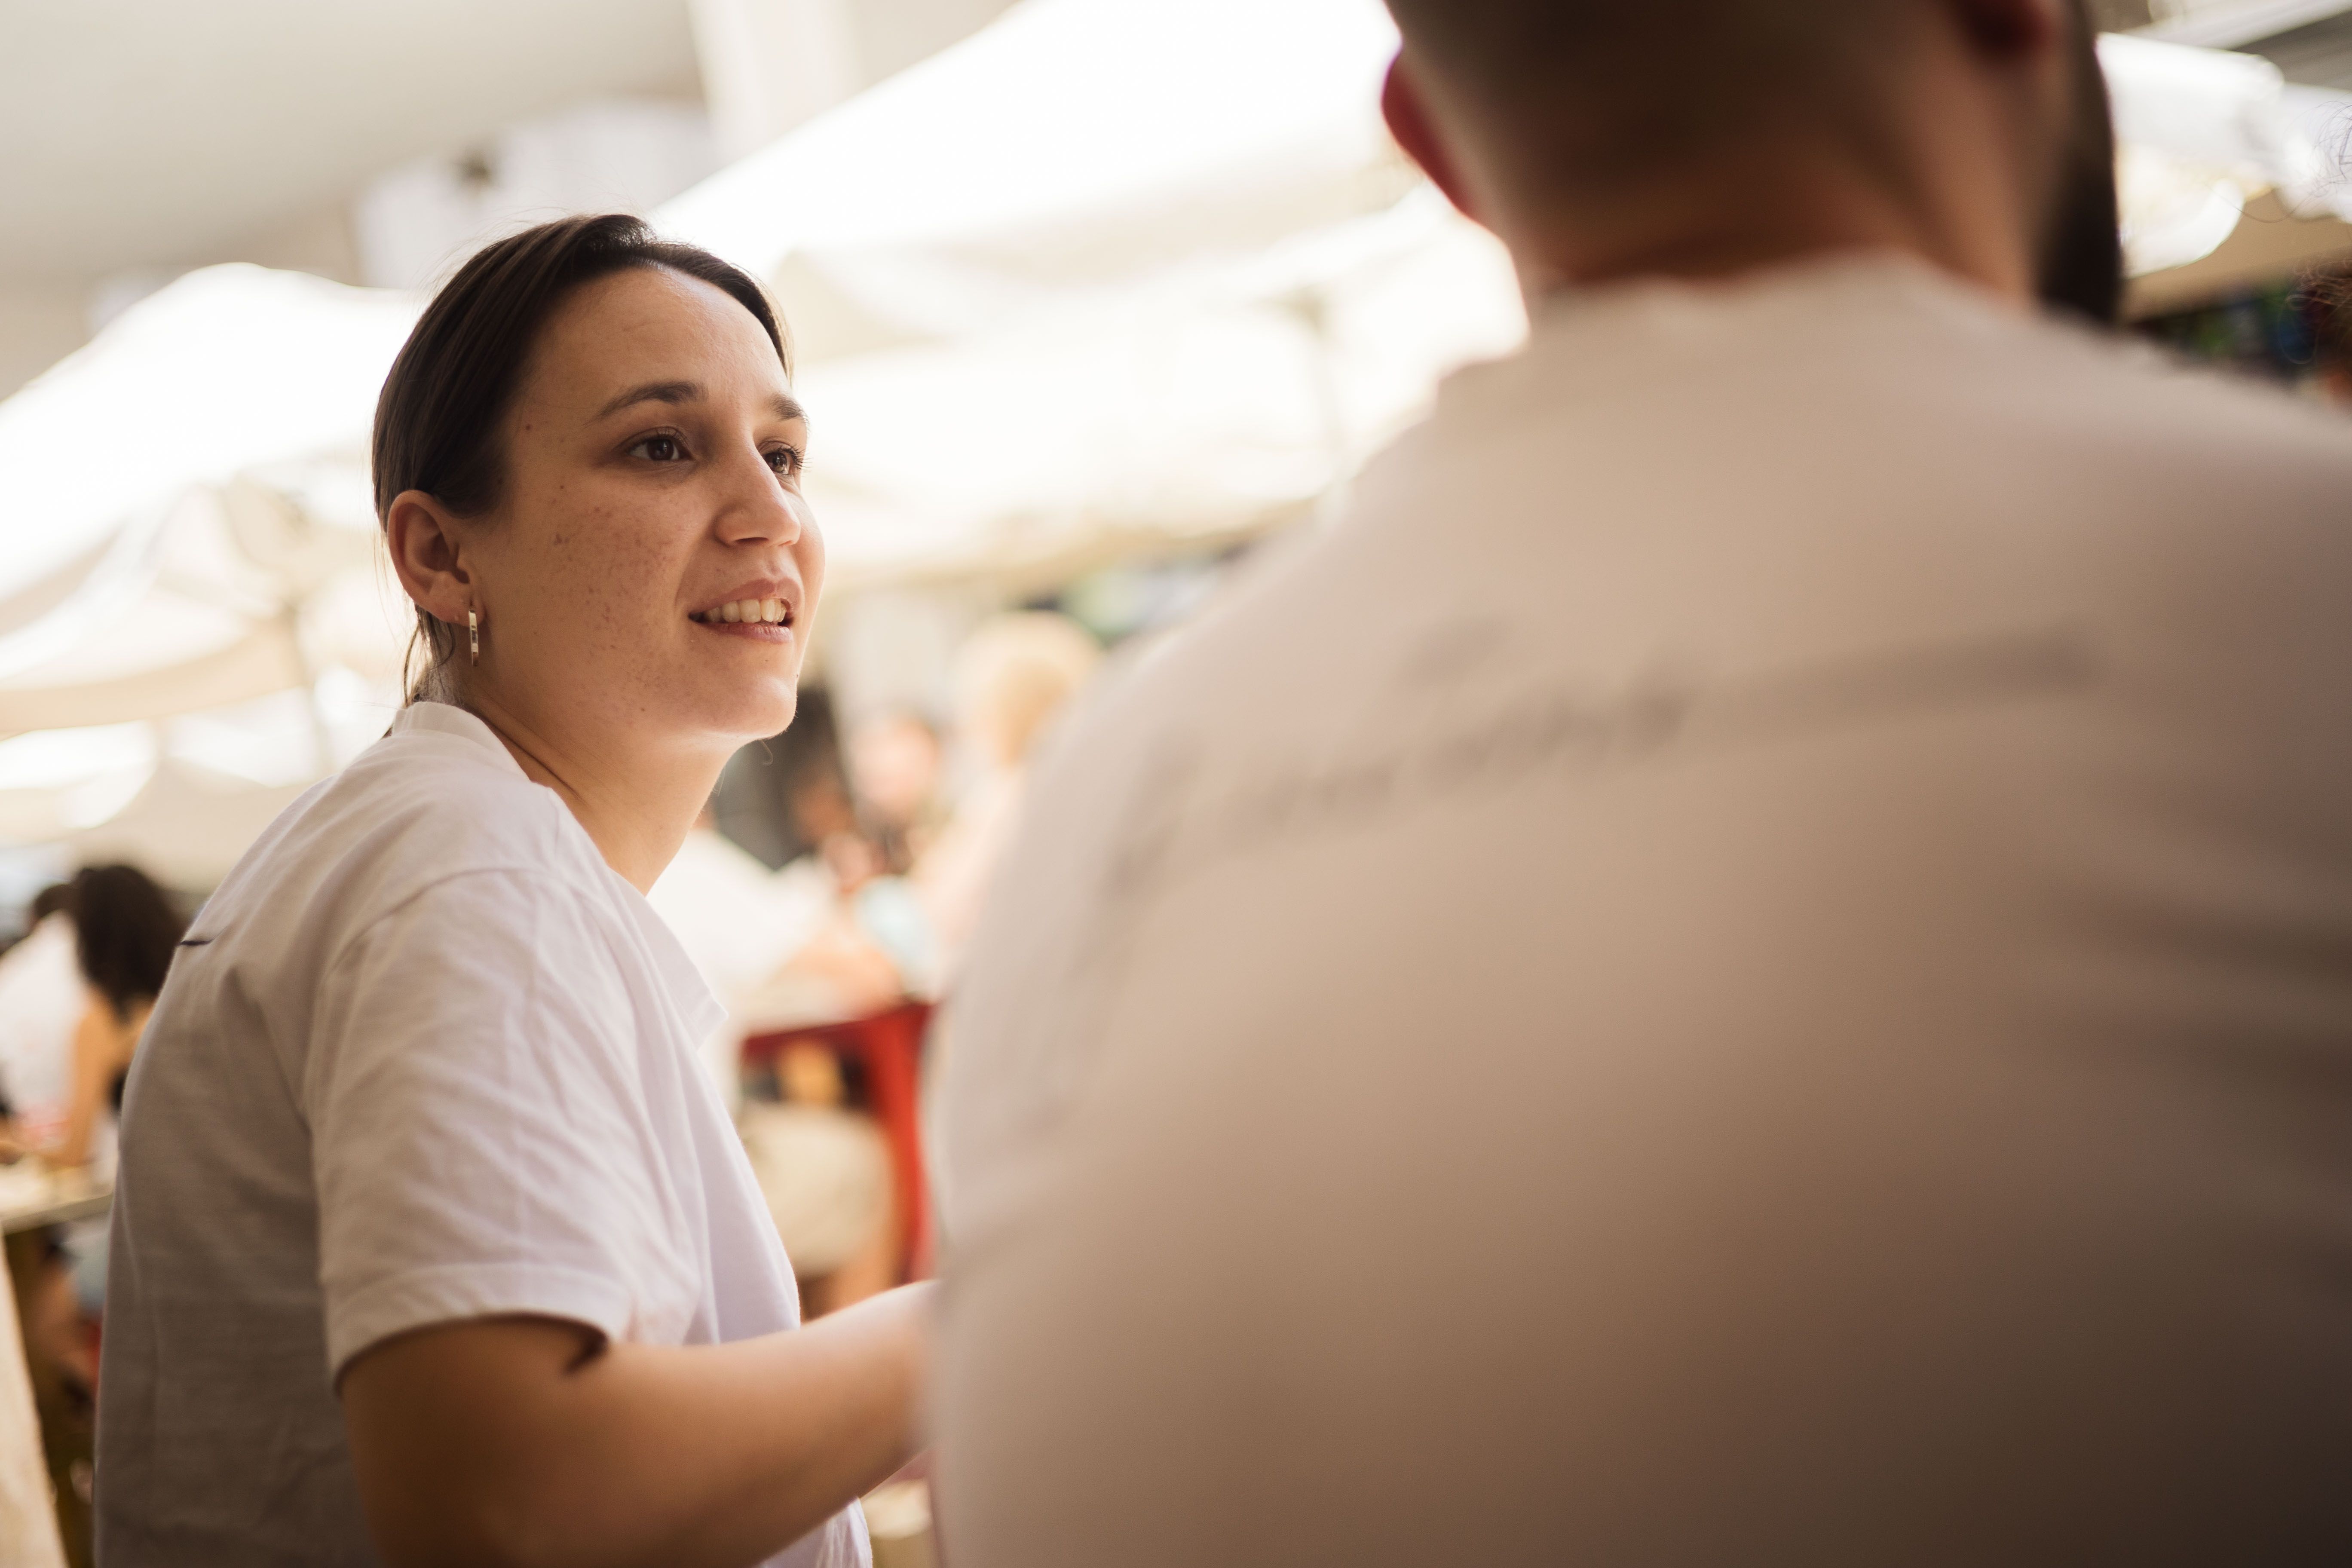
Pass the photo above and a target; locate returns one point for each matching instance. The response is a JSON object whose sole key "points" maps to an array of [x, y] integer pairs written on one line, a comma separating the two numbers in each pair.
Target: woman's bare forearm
{"points": [[498, 1443], [777, 1434], [94, 1049]]}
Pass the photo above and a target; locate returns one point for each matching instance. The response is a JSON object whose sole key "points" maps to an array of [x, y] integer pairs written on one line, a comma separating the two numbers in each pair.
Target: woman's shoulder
{"points": [[420, 806], [449, 805]]}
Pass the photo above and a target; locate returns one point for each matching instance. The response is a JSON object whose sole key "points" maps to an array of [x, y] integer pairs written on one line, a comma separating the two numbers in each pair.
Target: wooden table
{"points": [[56, 1211]]}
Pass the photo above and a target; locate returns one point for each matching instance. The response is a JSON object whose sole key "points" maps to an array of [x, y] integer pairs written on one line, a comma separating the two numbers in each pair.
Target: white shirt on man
{"points": [[422, 1058], [1751, 962]]}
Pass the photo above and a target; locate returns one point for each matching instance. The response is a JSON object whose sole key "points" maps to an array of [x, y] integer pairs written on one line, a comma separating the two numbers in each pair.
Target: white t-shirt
{"points": [[1751, 962], [422, 1058]]}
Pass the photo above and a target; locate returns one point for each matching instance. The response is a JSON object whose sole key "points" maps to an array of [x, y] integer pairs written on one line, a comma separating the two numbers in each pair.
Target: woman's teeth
{"points": [[755, 611]]}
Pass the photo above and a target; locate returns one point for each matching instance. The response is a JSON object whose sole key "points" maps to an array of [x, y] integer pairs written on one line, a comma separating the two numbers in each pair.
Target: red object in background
{"points": [[890, 1046]]}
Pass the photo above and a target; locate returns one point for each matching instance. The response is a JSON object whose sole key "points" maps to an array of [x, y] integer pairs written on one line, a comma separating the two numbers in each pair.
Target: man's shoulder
{"points": [[2154, 400], [1854, 349], [2158, 433], [2051, 444], [2160, 481]]}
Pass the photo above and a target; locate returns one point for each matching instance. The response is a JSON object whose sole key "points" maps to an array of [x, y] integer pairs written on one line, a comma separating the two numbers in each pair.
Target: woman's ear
{"points": [[423, 536], [1407, 112], [2009, 29]]}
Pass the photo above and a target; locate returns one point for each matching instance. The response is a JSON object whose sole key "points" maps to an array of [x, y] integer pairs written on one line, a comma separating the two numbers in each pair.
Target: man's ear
{"points": [[2008, 30], [423, 537], [1407, 112]]}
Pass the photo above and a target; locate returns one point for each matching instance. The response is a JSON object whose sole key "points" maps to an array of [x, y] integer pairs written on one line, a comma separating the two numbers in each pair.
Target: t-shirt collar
{"points": [[1599, 334], [430, 718], [688, 991]]}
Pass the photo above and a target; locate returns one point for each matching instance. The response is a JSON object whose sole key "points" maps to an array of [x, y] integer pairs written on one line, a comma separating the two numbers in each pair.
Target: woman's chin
{"points": [[751, 714]]}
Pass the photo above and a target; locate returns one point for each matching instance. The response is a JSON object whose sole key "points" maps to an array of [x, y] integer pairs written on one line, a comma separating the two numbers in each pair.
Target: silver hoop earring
{"points": [[474, 634]]}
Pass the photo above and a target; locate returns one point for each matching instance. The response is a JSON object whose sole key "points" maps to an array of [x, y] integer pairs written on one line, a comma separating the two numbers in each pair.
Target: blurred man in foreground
{"points": [[1752, 963]]}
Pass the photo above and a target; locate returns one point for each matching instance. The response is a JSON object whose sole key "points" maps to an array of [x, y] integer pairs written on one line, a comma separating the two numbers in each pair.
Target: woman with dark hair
{"points": [[433, 1245], [124, 932]]}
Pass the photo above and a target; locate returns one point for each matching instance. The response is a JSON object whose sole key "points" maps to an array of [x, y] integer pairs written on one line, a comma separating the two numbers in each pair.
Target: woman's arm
{"points": [[101, 1048], [518, 1443]]}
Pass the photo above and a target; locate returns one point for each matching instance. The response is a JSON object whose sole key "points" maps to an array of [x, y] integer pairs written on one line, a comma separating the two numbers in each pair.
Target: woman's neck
{"points": [[637, 802]]}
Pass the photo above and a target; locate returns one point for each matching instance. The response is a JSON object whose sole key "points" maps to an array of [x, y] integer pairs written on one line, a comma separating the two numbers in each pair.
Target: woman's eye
{"points": [[660, 449], [785, 461]]}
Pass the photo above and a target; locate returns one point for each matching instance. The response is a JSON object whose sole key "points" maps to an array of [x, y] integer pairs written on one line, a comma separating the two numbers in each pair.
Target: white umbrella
{"points": [[1069, 144], [2202, 133], [231, 594], [227, 369], [1207, 405], [188, 826]]}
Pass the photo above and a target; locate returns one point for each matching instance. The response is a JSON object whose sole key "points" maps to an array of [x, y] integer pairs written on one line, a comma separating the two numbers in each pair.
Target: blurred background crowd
{"points": [[1090, 299]]}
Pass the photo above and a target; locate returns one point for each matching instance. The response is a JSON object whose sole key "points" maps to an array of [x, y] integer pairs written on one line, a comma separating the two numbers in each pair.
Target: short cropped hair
{"points": [[1596, 92]]}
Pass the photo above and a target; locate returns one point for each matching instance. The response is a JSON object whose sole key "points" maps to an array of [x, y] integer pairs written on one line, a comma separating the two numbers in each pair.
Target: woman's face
{"points": [[650, 572]]}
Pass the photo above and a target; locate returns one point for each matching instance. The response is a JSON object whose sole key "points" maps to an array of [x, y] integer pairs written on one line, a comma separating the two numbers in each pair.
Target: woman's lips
{"points": [[736, 612], [753, 631]]}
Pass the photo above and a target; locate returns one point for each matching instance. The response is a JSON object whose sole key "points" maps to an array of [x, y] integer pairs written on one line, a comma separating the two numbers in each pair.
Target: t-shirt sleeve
{"points": [[480, 1145]]}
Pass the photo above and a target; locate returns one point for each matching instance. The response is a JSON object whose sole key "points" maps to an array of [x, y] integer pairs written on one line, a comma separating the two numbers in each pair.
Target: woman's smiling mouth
{"points": [[764, 619]]}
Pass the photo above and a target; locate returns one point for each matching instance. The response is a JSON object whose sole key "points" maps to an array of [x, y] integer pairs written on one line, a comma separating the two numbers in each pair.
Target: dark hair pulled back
{"points": [[439, 420], [125, 929]]}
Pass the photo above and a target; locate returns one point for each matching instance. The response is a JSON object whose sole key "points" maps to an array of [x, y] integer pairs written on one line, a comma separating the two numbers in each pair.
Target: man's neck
{"points": [[1771, 210], [638, 805]]}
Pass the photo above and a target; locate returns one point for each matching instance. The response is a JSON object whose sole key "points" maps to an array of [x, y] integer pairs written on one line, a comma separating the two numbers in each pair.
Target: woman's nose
{"points": [[756, 508]]}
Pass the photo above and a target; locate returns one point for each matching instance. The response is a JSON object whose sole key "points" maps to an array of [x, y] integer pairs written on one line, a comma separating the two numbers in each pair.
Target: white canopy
{"points": [[1208, 405], [188, 826], [1072, 144], [228, 369], [2202, 133]]}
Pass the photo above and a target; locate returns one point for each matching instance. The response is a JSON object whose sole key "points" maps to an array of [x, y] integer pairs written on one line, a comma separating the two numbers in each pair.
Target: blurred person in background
{"points": [[42, 1000], [433, 1242], [119, 931], [908, 886], [1014, 676], [1753, 957], [894, 763], [74, 996], [125, 931], [869, 951]]}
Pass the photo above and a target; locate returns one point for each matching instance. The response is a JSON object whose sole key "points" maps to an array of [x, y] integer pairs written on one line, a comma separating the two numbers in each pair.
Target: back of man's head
{"points": [[1973, 132], [1595, 93]]}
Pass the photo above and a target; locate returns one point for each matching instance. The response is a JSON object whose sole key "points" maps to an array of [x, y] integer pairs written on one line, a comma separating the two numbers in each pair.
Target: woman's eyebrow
{"points": [[678, 393], [671, 392]]}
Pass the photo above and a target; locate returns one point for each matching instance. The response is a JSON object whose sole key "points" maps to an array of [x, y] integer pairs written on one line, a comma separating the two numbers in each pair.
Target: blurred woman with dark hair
{"points": [[433, 1242], [124, 932]]}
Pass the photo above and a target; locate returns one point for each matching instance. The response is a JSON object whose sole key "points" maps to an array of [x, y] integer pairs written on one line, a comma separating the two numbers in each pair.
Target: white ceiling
{"points": [[144, 133]]}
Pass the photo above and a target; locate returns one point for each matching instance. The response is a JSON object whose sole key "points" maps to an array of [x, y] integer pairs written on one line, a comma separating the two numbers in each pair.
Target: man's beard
{"points": [[2082, 251]]}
